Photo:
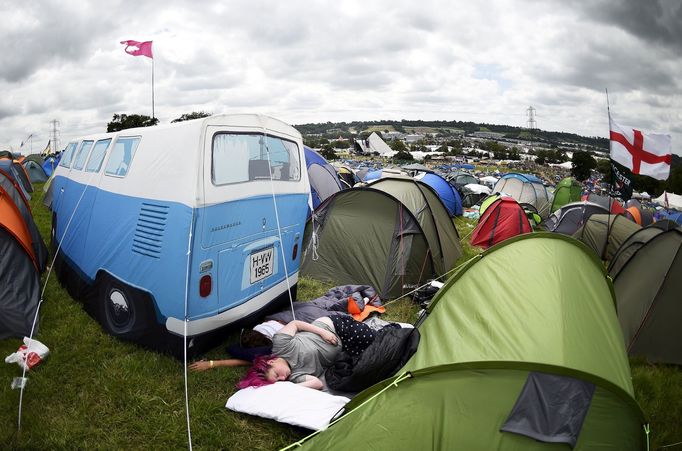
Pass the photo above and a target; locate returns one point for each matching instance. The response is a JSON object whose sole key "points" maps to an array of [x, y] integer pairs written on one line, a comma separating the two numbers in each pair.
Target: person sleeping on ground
{"points": [[302, 352], [258, 341]]}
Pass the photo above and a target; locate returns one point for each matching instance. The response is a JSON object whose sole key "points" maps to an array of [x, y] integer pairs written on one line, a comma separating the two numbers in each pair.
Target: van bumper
{"points": [[203, 325]]}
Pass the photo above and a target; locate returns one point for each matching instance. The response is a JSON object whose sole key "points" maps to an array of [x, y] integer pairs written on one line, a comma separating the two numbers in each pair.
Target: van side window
{"points": [[238, 158], [121, 156], [82, 155], [65, 161], [97, 156]]}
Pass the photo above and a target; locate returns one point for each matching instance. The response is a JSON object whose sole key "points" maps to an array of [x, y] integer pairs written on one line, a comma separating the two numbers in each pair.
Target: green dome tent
{"points": [[367, 236], [484, 337], [567, 190], [432, 216], [604, 234], [646, 277]]}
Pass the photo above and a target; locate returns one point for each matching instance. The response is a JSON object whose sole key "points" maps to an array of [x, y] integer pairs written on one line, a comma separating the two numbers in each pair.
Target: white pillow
{"points": [[289, 403]]}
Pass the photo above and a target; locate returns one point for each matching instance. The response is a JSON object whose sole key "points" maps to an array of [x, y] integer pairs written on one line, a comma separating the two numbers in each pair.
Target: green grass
{"points": [[96, 392]]}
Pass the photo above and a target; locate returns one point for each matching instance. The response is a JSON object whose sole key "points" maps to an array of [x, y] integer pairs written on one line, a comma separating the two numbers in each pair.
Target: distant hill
{"points": [[446, 128]]}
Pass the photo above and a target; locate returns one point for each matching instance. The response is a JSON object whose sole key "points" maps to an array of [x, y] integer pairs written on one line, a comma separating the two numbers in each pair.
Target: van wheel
{"points": [[123, 311]]}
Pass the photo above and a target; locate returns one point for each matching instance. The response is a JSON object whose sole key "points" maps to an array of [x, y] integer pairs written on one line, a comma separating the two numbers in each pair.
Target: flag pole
{"points": [[611, 181], [153, 89]]}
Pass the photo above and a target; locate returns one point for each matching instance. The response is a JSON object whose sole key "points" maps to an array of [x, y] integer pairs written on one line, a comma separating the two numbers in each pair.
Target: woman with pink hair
{"points": [[302, 352]]}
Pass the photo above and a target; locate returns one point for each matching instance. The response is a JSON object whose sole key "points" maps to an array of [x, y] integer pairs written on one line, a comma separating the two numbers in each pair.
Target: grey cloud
{"points": [[604, 65], [50, 34], [8, 111], [655, 21]]}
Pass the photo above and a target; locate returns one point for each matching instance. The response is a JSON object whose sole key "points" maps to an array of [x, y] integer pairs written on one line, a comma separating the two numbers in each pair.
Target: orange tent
{"points": [[12, 221]]}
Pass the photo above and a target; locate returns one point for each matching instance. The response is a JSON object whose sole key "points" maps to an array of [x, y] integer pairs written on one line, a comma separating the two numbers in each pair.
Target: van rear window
{"points": [[82, 155], [122, 156], [65, 162], [239, 158]]}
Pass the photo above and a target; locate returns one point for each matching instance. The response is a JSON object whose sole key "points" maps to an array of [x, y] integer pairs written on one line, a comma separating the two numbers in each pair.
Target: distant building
{"points": [[392, 136], [409, 139]]}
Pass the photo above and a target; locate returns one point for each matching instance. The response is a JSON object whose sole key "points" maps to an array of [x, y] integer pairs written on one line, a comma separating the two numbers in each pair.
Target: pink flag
{"points": [[642, 152], [137, 48]]}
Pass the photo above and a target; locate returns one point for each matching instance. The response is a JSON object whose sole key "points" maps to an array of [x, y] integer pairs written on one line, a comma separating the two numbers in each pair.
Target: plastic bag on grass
{"points": [[30, 354]]}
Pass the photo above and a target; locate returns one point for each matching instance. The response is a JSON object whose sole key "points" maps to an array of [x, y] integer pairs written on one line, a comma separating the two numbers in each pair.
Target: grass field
{"points": [[96, 392]]}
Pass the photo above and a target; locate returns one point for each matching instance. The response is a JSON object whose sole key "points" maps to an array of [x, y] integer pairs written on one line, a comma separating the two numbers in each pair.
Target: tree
{"points": [[403, 155], [328, 153], [583, 163], [123, 121], [604, 167], [190, 116], [398, 146], [341, 144]]}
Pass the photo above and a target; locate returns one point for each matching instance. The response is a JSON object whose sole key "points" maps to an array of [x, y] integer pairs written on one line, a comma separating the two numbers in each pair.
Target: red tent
{"points": [[503, 219]]}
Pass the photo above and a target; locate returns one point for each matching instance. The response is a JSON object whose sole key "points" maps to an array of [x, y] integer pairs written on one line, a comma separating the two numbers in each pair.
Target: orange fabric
{"points": [[353, 308], [365, 313], [10, 219], [634, 212]]}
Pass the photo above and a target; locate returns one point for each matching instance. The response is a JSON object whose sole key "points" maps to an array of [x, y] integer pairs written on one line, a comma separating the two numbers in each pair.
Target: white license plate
{"points": [[261, 264]]}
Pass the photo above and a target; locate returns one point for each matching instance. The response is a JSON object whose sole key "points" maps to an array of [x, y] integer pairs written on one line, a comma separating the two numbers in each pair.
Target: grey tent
{"points": [[36, 173], [366, 236], [569, 218], [433, 217], [646, 278], [460, 178], [416, 167], [605, 233]]}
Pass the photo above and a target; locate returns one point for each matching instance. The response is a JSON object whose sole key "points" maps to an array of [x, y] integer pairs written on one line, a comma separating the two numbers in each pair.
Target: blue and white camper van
{"points": [[189, 226]]}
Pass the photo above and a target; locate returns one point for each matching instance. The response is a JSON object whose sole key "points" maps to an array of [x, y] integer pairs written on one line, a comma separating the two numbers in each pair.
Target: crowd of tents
{"points": [[567, 285]]}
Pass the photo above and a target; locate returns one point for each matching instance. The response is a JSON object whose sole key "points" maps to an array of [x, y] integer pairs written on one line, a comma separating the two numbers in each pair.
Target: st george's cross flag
{"points": [[137, 48], [643, 153]]}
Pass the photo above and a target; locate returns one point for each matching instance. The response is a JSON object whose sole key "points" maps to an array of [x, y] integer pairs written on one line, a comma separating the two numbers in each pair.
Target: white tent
{"points": [[489, 180], [674, 200], [374, 143], [477, 189]]}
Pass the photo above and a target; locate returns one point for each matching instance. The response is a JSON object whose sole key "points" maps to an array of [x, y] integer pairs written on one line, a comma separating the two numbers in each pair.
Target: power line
{"points": [[54, 139], [532, 123]]}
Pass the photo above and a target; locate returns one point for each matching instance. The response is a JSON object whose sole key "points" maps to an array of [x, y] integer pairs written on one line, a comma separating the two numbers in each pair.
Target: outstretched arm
{"points": [[299, 326], [203, 365]]}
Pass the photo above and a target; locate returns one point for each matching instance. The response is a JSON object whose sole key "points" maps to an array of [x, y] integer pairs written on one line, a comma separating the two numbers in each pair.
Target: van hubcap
{"points": [[118, 309]]}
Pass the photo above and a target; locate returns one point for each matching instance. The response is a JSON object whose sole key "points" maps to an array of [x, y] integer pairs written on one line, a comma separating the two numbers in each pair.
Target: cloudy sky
{"points": [[343, 60]]}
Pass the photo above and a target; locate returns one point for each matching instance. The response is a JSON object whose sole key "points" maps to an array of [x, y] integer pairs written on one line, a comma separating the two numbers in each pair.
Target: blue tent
{"points": [[447, 193], [672, 215], [322, 176], [372, 175], [51, 162]]}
